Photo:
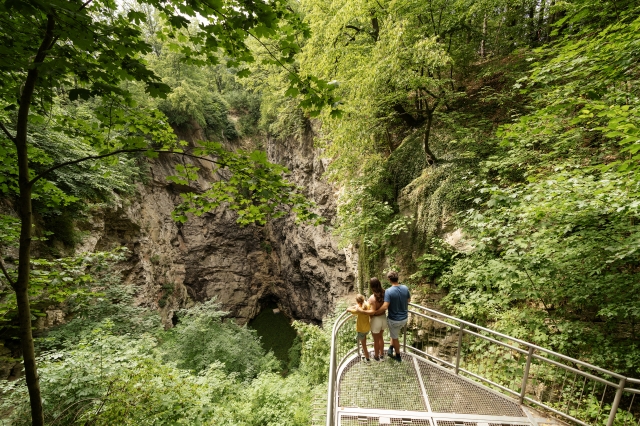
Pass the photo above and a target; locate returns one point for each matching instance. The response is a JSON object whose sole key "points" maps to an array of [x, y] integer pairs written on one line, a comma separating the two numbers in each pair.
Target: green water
{"points": [[275, 331]]}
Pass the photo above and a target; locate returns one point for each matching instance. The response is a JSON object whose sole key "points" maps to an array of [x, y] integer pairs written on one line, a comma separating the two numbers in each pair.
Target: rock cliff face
{"points": [[298, 267]]}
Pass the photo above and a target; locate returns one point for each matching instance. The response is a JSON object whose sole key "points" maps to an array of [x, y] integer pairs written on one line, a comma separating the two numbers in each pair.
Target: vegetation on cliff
{"points": [[515, 123]]}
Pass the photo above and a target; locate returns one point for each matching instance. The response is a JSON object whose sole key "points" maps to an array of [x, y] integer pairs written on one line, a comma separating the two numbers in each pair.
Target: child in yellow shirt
{"points": [[362, 324]]}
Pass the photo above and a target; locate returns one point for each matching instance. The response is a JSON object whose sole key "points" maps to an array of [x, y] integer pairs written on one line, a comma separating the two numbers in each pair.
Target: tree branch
{"points": [[85, 4], [6, 273], [110, 154], [540, 297], [271, 54], [409, 119], [431, 158], [6, 132], [428, 92]]}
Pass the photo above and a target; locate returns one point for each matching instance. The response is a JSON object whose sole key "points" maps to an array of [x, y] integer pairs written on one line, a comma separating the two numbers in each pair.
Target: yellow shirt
{"points": [[362, 322]]}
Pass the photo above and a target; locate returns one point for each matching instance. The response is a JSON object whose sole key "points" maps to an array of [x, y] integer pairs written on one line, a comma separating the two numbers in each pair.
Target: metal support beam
{"points": [[616, 401], [421, 382], [460, 331], [404, 340], [525, 377]]}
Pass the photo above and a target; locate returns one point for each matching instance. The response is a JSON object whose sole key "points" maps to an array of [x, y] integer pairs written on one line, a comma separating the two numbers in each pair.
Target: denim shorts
{"points": [[361, 336], [395, 327]]}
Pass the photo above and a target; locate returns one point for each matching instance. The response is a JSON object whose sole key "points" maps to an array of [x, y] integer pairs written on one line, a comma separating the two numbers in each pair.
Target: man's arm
{"points": [[379, 311], [364, 311]]}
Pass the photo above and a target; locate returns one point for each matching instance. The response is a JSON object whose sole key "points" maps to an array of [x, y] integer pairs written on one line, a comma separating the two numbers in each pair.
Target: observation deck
{"points": [[456, 373]]}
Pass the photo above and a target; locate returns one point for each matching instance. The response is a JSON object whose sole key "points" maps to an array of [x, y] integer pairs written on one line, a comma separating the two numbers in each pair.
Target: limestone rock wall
{"points": [[173, 265], [314, 272]]}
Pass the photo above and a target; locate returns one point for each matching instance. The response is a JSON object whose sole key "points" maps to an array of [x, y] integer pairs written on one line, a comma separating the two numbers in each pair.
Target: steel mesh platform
{"points": [[417, 392], [449, 393], [375, 421], [451, 423], [387, 385]]}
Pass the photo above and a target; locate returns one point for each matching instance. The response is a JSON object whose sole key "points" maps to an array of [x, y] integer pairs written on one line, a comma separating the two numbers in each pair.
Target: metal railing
{"points": [[532, 375]]}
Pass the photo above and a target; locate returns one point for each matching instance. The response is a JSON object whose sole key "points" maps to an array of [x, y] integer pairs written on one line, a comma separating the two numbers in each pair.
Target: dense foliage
{"points": [[515, 124], [114, 364], [203, 339]]}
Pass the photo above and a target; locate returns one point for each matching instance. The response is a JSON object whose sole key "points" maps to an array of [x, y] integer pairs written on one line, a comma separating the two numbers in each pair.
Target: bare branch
{"points": [[110, 154], [67, 409], [6, 273], [275, 58], [407, 117], [433, 95], [539, 297], [85, 4], [7, 132]]}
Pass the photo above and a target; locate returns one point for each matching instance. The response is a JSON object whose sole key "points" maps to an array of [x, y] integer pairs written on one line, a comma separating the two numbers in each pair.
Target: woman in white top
{"points": [[378, 322]]}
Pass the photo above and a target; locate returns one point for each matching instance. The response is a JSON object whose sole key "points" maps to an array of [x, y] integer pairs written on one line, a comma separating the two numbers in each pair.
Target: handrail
{"points": [[332, 369], [522, 342], [567, 402]]}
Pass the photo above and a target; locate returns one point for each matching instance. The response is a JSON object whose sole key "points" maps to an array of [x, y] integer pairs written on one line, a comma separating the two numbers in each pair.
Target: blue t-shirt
{"points": [[398, 298]]}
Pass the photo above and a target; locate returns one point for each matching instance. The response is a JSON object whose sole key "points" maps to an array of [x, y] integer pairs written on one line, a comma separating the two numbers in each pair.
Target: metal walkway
{"points": [[454, 373]]}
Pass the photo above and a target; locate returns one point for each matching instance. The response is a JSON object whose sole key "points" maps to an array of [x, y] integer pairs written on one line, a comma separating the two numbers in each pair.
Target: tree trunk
{"points": [[431, 158], [541, 29], [375, 33], [532, 24], [21, 286], [553, 18], [549, 21], [484, 36]]}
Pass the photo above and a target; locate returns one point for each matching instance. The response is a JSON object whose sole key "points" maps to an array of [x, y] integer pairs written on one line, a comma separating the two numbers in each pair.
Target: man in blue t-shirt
{"points": [[396, 302]]}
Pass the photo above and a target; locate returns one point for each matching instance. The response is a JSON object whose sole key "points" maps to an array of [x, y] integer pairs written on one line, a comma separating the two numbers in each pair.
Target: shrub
{"points": [[202, 338]]}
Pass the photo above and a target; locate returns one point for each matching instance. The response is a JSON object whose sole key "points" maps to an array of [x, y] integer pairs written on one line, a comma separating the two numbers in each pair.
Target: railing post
{"points": [[459, 348], [404, 339], [331, 384], [616, 401], [332, 371], [525, 376]]}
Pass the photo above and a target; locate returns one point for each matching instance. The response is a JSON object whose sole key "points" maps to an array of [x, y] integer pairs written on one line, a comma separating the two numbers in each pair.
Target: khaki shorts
{"points": [[378, 324]]}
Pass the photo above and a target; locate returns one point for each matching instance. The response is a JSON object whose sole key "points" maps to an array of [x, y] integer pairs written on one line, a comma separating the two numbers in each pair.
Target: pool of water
{"points": [[275, 331]]}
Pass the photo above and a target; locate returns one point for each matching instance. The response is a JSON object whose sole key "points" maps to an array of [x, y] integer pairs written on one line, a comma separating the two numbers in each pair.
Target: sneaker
{"points": [[377, 358], [381, 358], [390, 351], [366, 361], [397, 358]]}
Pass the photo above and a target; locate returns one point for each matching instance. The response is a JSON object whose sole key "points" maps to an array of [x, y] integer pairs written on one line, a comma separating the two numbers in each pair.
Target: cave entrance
{"points": [[274, 329]]}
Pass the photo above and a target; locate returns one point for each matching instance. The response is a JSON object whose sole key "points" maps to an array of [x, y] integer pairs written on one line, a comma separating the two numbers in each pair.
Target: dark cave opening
{"points": [[274, 328]]}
